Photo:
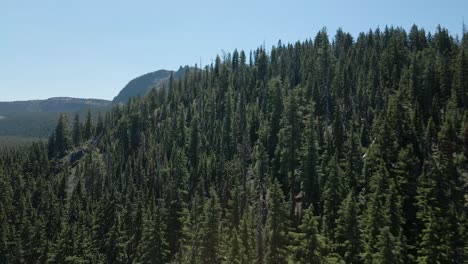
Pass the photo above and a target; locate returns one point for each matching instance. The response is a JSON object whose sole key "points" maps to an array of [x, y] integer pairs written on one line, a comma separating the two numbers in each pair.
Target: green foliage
{"points": [[343, 151], [348, 235], [309, 245], [154, 246], [276, 229], [211, 233], [62, 142]]}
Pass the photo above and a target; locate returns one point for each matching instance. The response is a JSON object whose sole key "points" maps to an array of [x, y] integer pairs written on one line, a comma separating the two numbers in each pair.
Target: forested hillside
{"points": [[333, 150], [51, 105], [23, 120]]}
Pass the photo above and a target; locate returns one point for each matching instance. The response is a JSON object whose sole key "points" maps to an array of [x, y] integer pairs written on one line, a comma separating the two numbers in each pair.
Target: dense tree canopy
{"points": [[331, 150]]}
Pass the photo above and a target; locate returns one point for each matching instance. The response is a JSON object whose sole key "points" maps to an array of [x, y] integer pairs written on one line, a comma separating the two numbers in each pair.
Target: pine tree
{"points": [[135, 228], [246, 252], [388, 248], [310, 245], [348, 233], [276, 109], [116, 243], [310, 176], [154, 246], [374, 216], [288, 149], [211, 236], [88, 129], [234, 256], [62, 138], [353, 164], [276, 229], [332, 196], [76, 134], [461, 79], [433, 204]]}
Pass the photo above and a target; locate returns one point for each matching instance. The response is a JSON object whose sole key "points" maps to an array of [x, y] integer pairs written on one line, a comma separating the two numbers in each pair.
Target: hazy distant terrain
{"points": [[51, 105], [28, 124], [37, 118]]}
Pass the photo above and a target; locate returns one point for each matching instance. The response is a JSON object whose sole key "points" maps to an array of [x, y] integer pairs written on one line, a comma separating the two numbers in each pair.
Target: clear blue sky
{"points": [[92, 48]]}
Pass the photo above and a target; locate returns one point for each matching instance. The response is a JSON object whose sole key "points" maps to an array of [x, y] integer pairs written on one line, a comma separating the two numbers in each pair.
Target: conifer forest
{"points": [[335, 149]]}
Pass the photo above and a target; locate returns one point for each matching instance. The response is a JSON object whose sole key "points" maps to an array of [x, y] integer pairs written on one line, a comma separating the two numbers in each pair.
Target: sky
{"points": [[92, 48]]}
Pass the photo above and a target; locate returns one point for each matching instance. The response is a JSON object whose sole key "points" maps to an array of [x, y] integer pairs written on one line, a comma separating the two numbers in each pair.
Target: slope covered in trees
{"points": [[37, 118], [346, 151]]}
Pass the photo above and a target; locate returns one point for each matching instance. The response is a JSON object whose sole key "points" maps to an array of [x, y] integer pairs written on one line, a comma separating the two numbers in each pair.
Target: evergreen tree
{"points": [[332, 197], [62, 139], [276, 229], [310, 176], [88, 128], [348, 233], [310, 246], [116, 243], [433, 246], [154, 248], [388, 248], [76, 134], [211, 236], [234, 251], [246, 252], [288, 149]]}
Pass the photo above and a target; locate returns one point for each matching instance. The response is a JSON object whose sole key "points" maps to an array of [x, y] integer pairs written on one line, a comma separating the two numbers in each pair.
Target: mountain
{"points": [[51, 105], [142, 84], [37, 118]]}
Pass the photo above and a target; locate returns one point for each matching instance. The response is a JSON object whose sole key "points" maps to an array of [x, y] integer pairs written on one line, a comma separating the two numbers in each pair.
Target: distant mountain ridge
{"points": [[142, 84], [51, 105], [37, 118], [138, 86]]}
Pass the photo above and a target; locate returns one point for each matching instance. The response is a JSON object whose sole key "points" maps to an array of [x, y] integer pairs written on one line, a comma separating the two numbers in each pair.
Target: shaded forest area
{"points": [[345, 151]]}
